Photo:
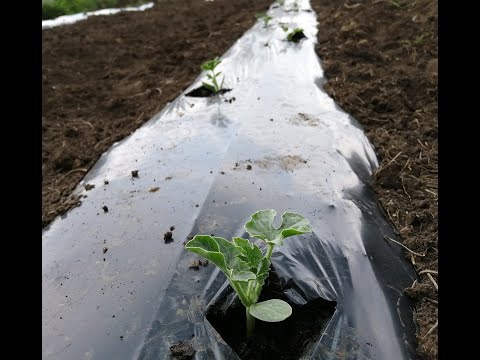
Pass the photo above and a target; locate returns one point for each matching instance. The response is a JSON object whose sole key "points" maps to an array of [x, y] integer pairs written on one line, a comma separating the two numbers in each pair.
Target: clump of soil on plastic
{"points": [[182, 350], [168, 237], [286, 340], [195, 264]]}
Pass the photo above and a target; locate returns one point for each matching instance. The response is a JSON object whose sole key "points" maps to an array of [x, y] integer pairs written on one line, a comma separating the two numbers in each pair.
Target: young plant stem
{"points": [[269, 251], [214, 80], [240, 293], [250, 322]]}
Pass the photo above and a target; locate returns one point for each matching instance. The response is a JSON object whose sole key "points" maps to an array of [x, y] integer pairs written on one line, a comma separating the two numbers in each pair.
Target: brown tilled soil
{"points": [[380, 59], [106, 76]]}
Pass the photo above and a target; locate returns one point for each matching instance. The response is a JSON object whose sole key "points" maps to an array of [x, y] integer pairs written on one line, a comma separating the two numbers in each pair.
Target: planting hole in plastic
{"points": [[280, 340], [202, 91]]}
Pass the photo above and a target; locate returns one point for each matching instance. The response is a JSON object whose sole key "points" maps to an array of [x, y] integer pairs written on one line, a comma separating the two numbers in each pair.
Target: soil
{"points": [[380, 59], [202, 91], [195, 264], [381, 62], [182, 350], [104, 77], [168, 237], [285, 340]]}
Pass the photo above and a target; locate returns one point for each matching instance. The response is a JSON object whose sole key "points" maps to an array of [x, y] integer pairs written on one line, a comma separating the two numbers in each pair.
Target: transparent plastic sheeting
{"points": [[139, 297], [70, 19]]}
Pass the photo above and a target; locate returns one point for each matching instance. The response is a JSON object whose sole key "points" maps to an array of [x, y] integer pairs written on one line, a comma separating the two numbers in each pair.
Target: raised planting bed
{"points": [[119, 283]]}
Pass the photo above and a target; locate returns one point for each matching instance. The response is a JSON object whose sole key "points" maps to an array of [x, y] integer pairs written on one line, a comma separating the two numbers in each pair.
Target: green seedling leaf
{"points": [[230, 252], [209, 87], [210, 66], [262, 272], [294, 224], [261, 226], [207, 247], [206, 67], [266, 18], [220, 251], [245, 265], [273, 310], [249, 253], [243, 276]]}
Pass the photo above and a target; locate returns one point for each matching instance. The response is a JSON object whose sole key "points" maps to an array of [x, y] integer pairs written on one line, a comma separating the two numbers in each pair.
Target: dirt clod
{"points": [[195, 264], [168, 237], [183, 350]]}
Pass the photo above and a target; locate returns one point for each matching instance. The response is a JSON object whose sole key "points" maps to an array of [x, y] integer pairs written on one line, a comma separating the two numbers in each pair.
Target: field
{"points": [[106, 76]]}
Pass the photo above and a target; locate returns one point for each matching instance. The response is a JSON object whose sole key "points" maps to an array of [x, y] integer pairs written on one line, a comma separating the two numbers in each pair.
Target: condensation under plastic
{"points": [[307, 156], [70, 19]]}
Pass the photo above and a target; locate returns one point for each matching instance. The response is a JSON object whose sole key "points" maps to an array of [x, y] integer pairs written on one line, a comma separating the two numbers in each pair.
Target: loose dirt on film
{"points": [[106, 76]]}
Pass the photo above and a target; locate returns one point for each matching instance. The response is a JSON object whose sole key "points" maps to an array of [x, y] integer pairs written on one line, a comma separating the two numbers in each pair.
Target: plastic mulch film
{"points": [[114, 289], [70, 19]]}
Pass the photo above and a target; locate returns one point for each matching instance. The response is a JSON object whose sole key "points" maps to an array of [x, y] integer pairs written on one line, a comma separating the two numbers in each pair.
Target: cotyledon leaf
{"points": [[273, 310]]}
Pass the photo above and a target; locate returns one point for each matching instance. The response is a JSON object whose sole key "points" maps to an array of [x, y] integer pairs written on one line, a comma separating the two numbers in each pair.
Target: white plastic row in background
{"points": [[70, 19]]}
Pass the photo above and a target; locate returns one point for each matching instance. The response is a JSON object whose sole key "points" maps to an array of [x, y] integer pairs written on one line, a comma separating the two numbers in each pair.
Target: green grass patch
{"points": [[54, 8]]}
